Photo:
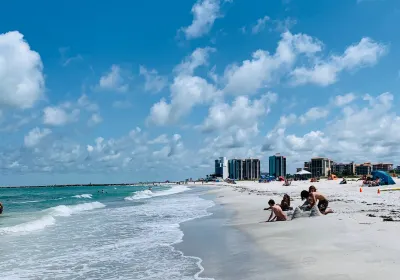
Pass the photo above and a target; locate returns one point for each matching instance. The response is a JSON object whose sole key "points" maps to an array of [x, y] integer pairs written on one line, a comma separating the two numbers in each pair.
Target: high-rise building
{"points": [[344, 168], [307, 166], [363, 169], [320, 167], [251, 169], [277, 165], [382, 166], [235, 167], [221, 168]]}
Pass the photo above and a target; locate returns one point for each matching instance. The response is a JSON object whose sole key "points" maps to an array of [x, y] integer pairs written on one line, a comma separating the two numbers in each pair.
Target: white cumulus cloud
{"points": [[114, 80], [35, 136], [263, 69], [58, 116], [325, 72], [205, 12], [153, 82], [21, 72], [341, 100]]}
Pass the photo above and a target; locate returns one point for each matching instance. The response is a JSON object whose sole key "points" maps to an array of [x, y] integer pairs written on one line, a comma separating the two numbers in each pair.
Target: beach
{"points": [[211, 231], [352, 243]]}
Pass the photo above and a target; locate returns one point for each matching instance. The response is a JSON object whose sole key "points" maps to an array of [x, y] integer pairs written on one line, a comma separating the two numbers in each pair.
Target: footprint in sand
{"points": [[308, 261], [338, 277]]}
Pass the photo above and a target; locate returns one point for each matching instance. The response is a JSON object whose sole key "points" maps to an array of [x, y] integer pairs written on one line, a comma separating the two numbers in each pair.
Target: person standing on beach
{"points": [[277, 210]]}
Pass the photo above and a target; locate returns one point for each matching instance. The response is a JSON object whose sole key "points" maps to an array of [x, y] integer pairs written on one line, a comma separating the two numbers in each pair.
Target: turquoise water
{"points": [[24, 204], [121, 232]]}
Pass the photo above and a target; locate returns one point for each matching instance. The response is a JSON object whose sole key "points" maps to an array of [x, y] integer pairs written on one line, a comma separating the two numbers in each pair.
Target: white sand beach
{"points": [[352, 243]]}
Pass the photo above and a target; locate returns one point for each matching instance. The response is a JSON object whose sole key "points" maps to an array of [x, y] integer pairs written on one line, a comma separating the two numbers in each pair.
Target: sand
{"points": [[352, 243]]}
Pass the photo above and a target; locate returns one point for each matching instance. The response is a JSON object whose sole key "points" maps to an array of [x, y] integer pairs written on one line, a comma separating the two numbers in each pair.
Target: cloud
{"points": [[241, 114], [35, 136], [325, 72], [85, 103], [186, 90], [260, 25], [16, 121], [161, 139], [341, 100], [368, 127], [199, 57], [95, 119], [66, 60], [313, 114], [114, 80], [205, 12], [57, 116], [263, 68], [153, 82], [21, 72], [235, 126]]}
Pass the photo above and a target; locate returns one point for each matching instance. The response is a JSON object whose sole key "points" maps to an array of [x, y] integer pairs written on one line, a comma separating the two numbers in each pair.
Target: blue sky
{"points": [[112, 91]]}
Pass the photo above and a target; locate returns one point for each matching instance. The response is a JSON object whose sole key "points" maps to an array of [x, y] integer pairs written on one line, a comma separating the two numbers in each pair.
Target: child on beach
{"points": [[313, 196], [285, 204], [277, 210], [304, 196]]}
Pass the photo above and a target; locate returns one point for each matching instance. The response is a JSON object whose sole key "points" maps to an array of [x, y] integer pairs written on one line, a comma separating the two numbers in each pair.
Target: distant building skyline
{"points": [[320, 167], [250, 169], [235, 167], [238, 169], [277, 165], [221, 168]]}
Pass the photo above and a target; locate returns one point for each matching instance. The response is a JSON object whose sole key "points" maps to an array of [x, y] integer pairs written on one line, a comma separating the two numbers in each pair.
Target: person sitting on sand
{"points": [[277, 210], [322, 201], [285, 203], [287, 183], [374, 183]]}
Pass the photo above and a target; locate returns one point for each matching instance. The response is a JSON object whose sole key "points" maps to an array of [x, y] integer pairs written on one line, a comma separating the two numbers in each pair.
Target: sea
{"points": [[89, 232]]}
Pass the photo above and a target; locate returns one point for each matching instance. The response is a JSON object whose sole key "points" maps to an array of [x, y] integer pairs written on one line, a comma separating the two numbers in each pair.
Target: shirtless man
{"points": [[277, 210], [322, 201]]}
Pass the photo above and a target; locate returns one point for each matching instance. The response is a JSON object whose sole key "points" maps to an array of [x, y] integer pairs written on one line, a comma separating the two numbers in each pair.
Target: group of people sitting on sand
{"points": [[311, 197]]}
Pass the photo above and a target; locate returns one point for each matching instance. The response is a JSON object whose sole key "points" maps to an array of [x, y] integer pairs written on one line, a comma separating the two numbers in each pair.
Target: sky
{"points": [[127, 91]]}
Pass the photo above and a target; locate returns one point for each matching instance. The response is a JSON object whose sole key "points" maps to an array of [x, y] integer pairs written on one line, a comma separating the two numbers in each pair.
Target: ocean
{"points": [[75, 233]]}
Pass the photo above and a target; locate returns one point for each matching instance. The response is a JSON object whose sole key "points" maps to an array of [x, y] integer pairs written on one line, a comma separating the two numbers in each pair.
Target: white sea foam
{"points": [[94, 246], [38, 224], [24, 202], [49, 217], [87, 196], [149, 194], [65, 211]]}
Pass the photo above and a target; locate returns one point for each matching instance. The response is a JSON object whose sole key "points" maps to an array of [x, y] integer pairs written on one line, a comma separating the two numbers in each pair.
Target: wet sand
{"points": [[355, 242]]}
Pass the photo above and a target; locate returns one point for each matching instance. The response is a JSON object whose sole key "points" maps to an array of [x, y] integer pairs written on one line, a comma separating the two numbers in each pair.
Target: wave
{"points": [[88, 196], [50, 217], [149, 194], [24, 202]]}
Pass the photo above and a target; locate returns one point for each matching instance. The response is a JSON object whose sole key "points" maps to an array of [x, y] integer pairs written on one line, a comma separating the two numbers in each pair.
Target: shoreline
{"points": [[352, 243], [225, 251], [91, 185]]}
